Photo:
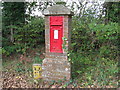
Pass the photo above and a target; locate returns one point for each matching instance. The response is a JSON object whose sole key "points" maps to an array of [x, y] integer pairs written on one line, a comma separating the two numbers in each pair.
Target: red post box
{"points": [[56, 34]]}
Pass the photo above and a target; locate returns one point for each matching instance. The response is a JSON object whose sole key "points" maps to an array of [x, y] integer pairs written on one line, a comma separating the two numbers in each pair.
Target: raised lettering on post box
{"points": [[56, 34]]}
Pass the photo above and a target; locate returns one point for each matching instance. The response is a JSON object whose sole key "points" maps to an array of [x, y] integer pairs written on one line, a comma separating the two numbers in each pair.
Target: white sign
{"points": [[55, 34]]}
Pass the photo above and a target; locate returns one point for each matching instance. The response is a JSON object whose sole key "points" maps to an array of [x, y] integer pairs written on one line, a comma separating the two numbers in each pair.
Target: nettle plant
{"points": [[64, 44], [66, 48]]}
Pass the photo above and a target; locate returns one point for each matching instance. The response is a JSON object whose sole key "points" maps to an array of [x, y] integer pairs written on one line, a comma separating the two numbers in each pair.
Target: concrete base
{"points": [[56, 69]]}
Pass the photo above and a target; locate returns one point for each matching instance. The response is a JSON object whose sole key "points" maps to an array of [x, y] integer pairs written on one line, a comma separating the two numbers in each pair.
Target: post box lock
{"points": [[55, 41]]}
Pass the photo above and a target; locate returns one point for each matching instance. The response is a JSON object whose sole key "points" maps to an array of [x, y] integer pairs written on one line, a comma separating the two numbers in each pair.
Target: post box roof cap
{"points": [[57, 10]]}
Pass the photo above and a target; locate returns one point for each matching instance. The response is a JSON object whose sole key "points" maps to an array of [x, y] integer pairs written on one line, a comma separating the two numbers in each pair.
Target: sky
{"points": [[69, 2]]}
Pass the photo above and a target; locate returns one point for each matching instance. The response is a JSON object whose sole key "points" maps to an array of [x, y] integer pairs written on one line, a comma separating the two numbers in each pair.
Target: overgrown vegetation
{"points": [[94, 44], [94, 53], [95, 56], [29, 35]]}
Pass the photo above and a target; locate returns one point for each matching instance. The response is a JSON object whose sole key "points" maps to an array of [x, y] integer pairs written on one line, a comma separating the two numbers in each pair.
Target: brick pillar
{"points": [[56, 65]]}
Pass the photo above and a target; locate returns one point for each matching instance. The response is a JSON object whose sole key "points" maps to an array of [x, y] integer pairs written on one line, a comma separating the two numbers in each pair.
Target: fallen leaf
{"points": [[53, 86]]}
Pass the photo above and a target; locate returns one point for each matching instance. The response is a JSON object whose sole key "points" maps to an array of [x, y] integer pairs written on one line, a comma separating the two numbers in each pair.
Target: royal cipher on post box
{"points": [[56, 66]]}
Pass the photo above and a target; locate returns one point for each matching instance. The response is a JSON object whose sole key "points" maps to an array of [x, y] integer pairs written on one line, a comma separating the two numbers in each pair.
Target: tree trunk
{"points": [[11, 37]]}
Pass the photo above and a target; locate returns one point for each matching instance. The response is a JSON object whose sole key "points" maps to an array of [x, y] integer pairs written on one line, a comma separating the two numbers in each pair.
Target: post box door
{"points": [[56, 34], [56, 39]]}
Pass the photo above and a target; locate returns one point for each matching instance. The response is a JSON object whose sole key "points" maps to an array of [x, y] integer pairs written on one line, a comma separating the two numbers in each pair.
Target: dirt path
{"points": [[11, 80]]}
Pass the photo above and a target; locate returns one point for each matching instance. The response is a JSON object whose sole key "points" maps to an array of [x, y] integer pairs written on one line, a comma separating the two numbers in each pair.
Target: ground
{"points": [[17, 73]]}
